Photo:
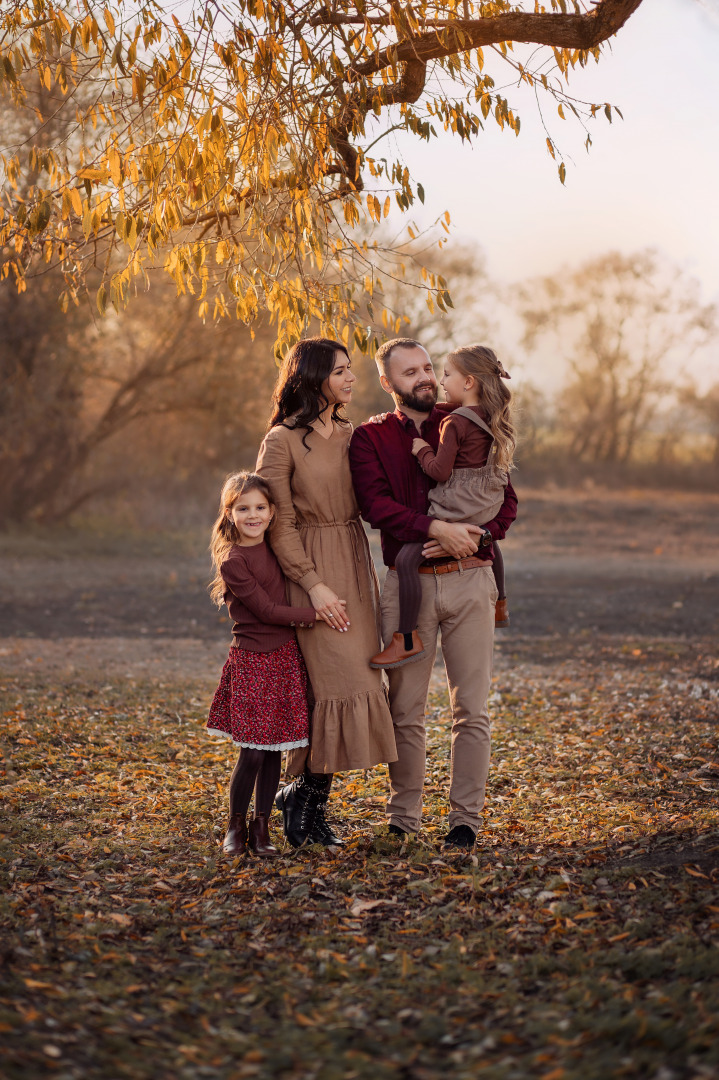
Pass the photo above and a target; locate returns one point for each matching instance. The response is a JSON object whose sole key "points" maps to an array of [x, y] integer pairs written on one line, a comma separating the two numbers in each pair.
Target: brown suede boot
{"points": [[235, 842], [260, 838], [396, 655], [501, 613]]}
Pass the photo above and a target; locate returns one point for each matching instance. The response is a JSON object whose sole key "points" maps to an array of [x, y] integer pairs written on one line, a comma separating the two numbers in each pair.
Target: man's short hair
{"points": [[384, 353]]}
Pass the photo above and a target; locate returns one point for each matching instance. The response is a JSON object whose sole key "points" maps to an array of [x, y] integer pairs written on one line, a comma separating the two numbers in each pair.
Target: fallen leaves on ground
{"points": [[580, 940]]}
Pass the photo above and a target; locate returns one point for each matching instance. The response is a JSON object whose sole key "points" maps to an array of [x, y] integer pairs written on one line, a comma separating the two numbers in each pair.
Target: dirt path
{"points": [[630, 564], [583, 570]]}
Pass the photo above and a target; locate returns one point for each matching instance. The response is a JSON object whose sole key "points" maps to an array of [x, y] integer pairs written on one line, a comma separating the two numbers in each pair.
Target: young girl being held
{"points": [[472, 463], [261, 701]]}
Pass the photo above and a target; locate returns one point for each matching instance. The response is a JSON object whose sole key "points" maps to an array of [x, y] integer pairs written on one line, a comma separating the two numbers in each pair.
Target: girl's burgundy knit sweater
{"points": [[462, 445], [257, 601]]}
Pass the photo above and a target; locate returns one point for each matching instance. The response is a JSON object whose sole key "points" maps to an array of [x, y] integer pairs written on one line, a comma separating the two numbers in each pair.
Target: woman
{"points": [[323, 551]]}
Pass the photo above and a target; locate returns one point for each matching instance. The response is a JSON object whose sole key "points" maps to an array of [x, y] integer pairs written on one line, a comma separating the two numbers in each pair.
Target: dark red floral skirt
{"points": [[261, 701]]}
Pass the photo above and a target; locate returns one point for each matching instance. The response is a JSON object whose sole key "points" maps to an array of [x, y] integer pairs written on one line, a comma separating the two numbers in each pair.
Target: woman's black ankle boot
{"points": [[298, 804], [322, 832], [302, 804]]}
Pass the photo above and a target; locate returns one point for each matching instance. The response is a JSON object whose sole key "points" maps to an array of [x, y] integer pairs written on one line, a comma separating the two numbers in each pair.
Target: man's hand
{"points": [[417, 445], [451, 538]]}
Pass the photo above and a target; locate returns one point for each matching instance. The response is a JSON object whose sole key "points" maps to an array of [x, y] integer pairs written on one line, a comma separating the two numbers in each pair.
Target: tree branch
{"points": [[560, 31], [407, 89]]}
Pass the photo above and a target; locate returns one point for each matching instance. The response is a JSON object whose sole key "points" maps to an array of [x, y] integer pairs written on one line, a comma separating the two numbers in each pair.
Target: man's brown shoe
{"points": [[235, 842], [501, 613], [396, 655]]}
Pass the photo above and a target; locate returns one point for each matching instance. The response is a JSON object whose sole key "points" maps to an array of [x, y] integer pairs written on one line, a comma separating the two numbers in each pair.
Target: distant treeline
{"points": [[138, 417]]}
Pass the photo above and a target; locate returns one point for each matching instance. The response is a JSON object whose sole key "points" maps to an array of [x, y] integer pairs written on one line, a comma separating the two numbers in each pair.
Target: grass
{"points": [[581, 940]]}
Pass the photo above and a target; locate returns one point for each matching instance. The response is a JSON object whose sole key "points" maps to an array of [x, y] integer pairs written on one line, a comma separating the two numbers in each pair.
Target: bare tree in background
{"points": [[626, 326], [157, 379], [532, 417], [72, 385], [705, 408], [467, 319], [40, 400]]}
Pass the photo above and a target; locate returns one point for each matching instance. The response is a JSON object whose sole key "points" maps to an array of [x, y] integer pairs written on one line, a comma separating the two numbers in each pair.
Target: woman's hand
{"points": [[417, 445], [329, 607], [379, 418], [330, 620]]}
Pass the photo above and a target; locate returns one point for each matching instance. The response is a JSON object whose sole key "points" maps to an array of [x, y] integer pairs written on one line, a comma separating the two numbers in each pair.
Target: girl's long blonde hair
{"points": [[224, 534], [495, 399]]}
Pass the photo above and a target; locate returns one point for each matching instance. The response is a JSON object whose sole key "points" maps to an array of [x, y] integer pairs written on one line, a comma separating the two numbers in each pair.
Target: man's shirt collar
{"points": [[407, 422]]}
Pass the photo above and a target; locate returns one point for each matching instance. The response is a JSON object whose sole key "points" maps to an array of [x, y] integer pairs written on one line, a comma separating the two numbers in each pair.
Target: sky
{"points": [[651, 180]]}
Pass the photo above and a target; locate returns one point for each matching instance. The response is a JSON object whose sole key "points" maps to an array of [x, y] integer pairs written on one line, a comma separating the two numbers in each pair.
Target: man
{"points": [[458, 594]]}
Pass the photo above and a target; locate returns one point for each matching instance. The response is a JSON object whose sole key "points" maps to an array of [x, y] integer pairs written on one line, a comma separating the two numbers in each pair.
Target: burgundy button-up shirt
{"points": [[393, 492]]}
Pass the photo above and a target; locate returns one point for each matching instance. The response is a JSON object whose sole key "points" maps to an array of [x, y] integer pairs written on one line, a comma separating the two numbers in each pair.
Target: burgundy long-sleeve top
{"points": [[393, 491], [462, 445], [257, 601]]}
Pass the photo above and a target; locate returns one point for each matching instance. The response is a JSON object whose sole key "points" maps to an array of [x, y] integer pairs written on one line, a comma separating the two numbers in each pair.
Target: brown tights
{"points": [[407, 563], [258, 770]]}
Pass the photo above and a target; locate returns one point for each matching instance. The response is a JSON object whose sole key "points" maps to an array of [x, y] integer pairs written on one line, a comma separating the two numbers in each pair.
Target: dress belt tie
{"points": [[352, 524], [327, 524]]}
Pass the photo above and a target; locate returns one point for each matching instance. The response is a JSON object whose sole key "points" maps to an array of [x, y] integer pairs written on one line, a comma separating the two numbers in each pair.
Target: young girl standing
{"points": [[261, 702], [470, 486]]}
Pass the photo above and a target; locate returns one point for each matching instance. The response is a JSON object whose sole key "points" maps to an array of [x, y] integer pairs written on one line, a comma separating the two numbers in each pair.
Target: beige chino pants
{"points": [[461, 606]]}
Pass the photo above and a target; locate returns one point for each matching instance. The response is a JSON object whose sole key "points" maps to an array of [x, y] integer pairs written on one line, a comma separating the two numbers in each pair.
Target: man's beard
{"points": [[419, 404]]}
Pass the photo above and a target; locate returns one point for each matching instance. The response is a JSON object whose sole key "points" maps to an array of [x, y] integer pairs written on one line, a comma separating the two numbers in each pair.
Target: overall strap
{"points": [[469, 414]]}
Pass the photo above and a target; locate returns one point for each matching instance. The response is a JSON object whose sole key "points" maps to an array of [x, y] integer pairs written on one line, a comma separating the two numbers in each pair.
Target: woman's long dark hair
{"points": [[298, 391]]}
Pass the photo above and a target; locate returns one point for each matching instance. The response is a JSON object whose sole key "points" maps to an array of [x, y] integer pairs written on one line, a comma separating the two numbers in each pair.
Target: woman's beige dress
{"points": [[317, 537]]}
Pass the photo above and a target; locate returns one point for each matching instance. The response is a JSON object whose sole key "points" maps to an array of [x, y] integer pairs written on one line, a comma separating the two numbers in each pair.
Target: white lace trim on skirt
{"points": [[259, 746]]}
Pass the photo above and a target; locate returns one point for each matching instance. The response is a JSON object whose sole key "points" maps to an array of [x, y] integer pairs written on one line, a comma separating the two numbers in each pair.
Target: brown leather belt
{"points": [[455, 564]]}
